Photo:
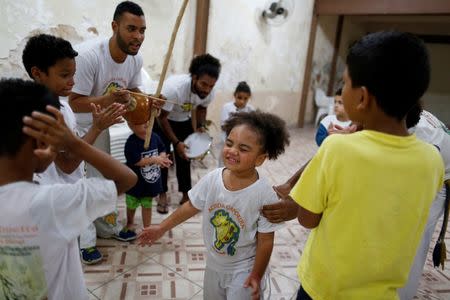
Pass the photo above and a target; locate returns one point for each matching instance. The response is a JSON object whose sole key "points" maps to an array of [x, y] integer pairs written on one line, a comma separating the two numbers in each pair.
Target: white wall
{"points": [[323, 51], [78, 20], [437, 98], [321, 62], [270, 58]]}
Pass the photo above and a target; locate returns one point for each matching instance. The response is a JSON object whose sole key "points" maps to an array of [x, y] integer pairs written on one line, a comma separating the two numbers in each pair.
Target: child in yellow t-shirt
{"points": [[367, 195]]}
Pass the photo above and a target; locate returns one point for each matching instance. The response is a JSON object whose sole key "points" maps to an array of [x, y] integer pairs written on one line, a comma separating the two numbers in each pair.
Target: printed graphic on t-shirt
{"points": [[187, 107], [226, 232], [150, 173], [113, 86], [433, 121], [21, 268]]}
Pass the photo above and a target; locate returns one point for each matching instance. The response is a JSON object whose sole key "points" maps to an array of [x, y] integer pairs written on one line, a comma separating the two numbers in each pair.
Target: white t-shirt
{"points": [[53, 174], [97, 72], [39, 226], [333, 119], [229, 108], [432, 131], [231, 220], [177, 88]]}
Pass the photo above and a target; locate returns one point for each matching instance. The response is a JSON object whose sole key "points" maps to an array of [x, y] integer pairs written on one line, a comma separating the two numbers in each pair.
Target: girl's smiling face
{"points": [[242, 151]]}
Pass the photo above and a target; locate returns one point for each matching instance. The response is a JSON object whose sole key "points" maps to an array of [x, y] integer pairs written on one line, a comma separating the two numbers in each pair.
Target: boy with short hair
{"points": [[367, 195], [146, 164], [50, 61], [39, 224]]}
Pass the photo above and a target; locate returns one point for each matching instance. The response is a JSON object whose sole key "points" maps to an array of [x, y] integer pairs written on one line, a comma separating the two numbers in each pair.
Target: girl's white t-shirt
{"points": [[231, 220]]}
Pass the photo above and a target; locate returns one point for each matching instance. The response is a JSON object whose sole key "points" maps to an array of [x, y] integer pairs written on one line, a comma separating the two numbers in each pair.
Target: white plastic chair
{"points": [[324, 104], [119, 134]]}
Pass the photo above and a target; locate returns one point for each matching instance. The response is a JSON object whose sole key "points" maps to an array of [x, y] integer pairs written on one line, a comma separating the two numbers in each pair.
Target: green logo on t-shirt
{"points": [[227, 231]]}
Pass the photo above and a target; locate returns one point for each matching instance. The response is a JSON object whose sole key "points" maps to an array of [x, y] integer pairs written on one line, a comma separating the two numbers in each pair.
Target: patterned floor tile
{"points": [[198, 296], [280, 287], [117, 258], [92, 296], [149, 280]]}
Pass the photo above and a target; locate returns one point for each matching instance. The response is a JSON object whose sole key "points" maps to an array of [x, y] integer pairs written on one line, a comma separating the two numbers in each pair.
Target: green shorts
{"points": [[134, 202]]}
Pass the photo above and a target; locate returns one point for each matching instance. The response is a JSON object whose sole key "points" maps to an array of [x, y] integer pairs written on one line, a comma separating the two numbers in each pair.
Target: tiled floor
{"points": [[173, 268]]}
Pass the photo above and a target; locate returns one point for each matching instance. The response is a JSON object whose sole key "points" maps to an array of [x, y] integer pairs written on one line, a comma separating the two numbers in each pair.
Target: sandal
{"points": [[162, 208]]}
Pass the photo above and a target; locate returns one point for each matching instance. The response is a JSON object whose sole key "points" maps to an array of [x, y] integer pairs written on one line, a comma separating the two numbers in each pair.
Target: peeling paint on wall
{"points": [[82, 20], [93, 30], [12, 66]]}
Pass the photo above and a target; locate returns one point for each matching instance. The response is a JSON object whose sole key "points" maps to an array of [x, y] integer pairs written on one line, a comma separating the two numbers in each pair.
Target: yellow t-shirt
{"points": [[374, 191]]}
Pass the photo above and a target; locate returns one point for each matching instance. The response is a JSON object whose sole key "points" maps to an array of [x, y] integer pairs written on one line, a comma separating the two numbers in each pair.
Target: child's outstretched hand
{"points": [[104, 118], [149, 235], [50, 130], [163, 160], [253, 282]]}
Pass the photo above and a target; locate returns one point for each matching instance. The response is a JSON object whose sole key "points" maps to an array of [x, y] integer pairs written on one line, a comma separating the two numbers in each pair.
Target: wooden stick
{"points": [[151, 97], [154, 113]]}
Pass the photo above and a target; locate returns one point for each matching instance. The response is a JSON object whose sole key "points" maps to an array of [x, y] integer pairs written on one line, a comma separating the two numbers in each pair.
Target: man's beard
{"points": [[197, 92], [123, 46]]}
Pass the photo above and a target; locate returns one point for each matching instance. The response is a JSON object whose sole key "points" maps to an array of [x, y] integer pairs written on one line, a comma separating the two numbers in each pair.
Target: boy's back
{"points": [[371, 190], [40, 231]]}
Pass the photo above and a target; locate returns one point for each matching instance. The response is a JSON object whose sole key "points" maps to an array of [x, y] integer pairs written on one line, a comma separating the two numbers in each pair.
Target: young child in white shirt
{"points": [[337, 123], [238, 239], [242, 95]]}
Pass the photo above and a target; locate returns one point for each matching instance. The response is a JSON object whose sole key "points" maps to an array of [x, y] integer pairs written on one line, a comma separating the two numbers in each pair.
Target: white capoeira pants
{"points": [[219, 285], [106, 226], [436, 211]]}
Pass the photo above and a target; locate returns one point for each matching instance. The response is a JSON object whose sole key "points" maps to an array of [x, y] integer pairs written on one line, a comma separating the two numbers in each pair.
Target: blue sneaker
{"points": [[125, 235], [90, 255]]}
